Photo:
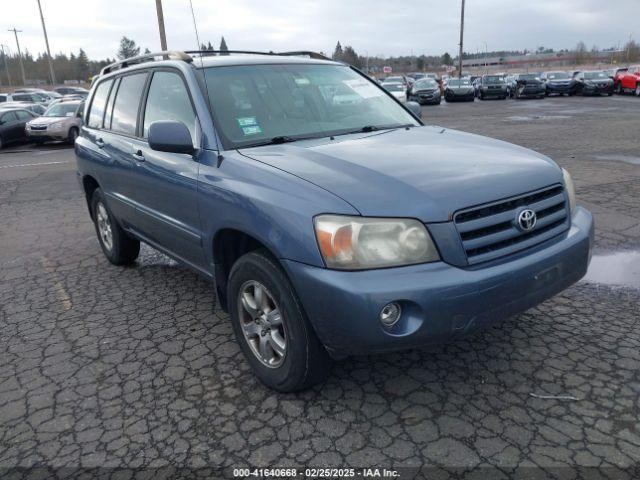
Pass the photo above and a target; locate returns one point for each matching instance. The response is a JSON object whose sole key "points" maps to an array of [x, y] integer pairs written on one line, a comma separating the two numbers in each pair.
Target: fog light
{"points": [[390, 314]]}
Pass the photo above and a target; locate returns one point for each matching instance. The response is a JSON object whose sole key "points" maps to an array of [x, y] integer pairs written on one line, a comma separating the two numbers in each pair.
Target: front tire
{"points": [[73, 134], [117, 246], [271, 326], [637, 91]]}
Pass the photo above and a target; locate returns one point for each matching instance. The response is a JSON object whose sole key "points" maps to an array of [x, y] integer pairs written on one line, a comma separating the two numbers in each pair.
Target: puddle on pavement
{"points": [[519, 118], [621, 269], [620, 158]]}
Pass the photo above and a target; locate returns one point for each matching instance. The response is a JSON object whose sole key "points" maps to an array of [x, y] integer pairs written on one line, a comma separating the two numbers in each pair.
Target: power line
{"points": [[46, 40], [15, 32]]}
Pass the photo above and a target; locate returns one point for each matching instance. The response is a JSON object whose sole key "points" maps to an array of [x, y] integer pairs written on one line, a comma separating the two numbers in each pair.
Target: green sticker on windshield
{"points": [[246, 121], [251, 130]]}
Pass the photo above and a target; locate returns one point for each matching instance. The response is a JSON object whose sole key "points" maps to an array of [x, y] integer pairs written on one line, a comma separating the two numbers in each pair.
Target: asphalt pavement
{"points": [[136, 368]]}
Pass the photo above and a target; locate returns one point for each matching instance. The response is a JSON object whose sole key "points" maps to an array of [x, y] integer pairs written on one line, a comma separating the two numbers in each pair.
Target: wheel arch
{"points": [[89, 185], [228, 245]]}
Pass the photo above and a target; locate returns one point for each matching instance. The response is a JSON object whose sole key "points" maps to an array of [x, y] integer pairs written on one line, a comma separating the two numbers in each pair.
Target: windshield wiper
{"points": [[278, 140], [374, 128]]}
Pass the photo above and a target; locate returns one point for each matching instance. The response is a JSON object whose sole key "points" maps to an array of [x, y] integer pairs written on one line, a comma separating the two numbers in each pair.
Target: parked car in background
{"points": [[459, 89], [425, 91], [30, 97], [492, 86], [61, 122], [628, 80], [12, 123], [558, 83], [36, 108], [593, 83], [397, 89], [71, 90], [416, 75], [529, 85], [399, 79], [613, 72]]}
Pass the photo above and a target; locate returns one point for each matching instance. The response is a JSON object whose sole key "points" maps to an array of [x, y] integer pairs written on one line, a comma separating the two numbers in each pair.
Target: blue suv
{"points": [[330, 219]]}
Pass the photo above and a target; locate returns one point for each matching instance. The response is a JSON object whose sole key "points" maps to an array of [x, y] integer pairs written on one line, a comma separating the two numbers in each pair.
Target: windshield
{"points": [[394, 79], [253, 104], [493, 80], [393, 87], [459, 82], [592, 75], [426, 83], [529, 76], [558, 75], [61, 110]]}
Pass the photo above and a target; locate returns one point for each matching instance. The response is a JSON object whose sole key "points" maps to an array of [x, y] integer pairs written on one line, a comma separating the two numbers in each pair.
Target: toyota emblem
{"points": [[526, 220]]}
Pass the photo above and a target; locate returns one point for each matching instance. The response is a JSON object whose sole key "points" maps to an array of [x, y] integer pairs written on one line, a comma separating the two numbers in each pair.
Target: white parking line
{"points": [[32, 164]]}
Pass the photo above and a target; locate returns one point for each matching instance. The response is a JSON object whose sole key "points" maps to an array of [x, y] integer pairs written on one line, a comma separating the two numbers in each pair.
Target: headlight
{"points": [[56, 126], [571, 190], [356, 243]]}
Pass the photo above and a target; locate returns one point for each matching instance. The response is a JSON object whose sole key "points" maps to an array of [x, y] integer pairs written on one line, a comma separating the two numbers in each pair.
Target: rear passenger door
{"points": [[166, 183], [10, 127]]}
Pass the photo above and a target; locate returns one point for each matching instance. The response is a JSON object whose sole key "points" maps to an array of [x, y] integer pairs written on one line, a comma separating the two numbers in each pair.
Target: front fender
{"points": [[271, 205]]}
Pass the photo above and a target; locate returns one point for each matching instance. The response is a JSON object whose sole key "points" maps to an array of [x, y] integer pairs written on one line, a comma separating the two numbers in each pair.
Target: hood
{"points": [[46, 120], [422, 172]]}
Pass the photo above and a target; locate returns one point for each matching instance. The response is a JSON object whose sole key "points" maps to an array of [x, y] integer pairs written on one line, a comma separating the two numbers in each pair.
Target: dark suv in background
{"points": [[492, 86], [331, 223]]}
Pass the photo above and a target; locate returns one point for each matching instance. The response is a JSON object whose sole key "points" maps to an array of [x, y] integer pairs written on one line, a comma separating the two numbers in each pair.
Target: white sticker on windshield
{"points": [[363, 88]]}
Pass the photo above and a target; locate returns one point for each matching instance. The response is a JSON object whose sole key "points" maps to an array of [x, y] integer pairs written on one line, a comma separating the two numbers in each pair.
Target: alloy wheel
{"points": [[104, 226], [262, 324]]}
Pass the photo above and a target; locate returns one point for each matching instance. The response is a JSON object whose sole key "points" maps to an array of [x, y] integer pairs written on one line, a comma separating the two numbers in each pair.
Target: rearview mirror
{"points": [[415, 109], [170, 136]]}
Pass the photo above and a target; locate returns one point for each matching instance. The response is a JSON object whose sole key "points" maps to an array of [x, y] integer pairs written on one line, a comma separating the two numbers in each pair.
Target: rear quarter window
{"points": [[97, 108]]}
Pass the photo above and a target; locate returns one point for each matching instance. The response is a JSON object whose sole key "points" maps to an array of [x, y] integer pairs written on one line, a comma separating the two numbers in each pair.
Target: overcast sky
{"points": [[373, 27]]}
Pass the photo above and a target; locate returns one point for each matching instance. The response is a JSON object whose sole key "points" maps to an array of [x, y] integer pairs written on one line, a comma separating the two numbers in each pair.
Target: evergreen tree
{"points": [[338, 53], [223, 47], [127, 49]]}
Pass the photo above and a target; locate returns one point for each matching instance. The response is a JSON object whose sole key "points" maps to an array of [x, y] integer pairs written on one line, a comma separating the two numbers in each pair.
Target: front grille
{"points": [[489, 231], [38, 127]]}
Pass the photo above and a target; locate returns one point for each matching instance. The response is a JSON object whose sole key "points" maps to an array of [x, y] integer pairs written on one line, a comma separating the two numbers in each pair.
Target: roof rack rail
{"points": [[300, 53], [148, 57]]}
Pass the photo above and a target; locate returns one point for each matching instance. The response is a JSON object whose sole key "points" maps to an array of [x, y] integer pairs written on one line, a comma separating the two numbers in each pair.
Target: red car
{"points": [[628, 80]]}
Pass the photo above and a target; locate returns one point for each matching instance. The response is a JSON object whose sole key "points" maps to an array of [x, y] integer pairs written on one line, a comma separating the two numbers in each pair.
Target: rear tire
{"points": [[117, 246], [285, 354], [637, 91], [1, 143], [618, 88]]}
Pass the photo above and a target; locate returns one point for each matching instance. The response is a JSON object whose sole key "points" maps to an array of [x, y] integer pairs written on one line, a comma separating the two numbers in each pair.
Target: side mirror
{"points": [[170, 136], [414, 108]]}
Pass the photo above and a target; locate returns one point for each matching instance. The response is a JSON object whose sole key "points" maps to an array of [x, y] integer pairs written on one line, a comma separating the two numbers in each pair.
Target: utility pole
{"points": [[486, 59], [461, 40], [15, 32], [6, 66], [163, 37], [46, 41]]}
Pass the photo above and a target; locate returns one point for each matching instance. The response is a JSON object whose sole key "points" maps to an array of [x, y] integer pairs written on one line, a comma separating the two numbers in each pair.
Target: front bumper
{"points": [[559, 88], [439, 301], [47, 135]]}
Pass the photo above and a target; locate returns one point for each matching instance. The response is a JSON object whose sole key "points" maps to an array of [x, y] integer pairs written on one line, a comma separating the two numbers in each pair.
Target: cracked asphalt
{"points": [[107, 370]]}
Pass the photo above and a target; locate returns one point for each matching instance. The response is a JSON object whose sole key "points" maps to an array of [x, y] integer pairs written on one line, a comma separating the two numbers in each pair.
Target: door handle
{"points": [[100, 143], [139, 156]]}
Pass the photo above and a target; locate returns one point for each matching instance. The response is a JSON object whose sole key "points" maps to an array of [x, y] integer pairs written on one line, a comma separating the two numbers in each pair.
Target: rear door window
{"points": [[96, 113], [168, 99], [125, 107], [23, 115], [9, 117]]}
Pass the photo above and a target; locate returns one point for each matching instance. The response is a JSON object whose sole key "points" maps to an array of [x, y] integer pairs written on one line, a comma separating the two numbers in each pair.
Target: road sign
{"points": [[387, 69]]}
